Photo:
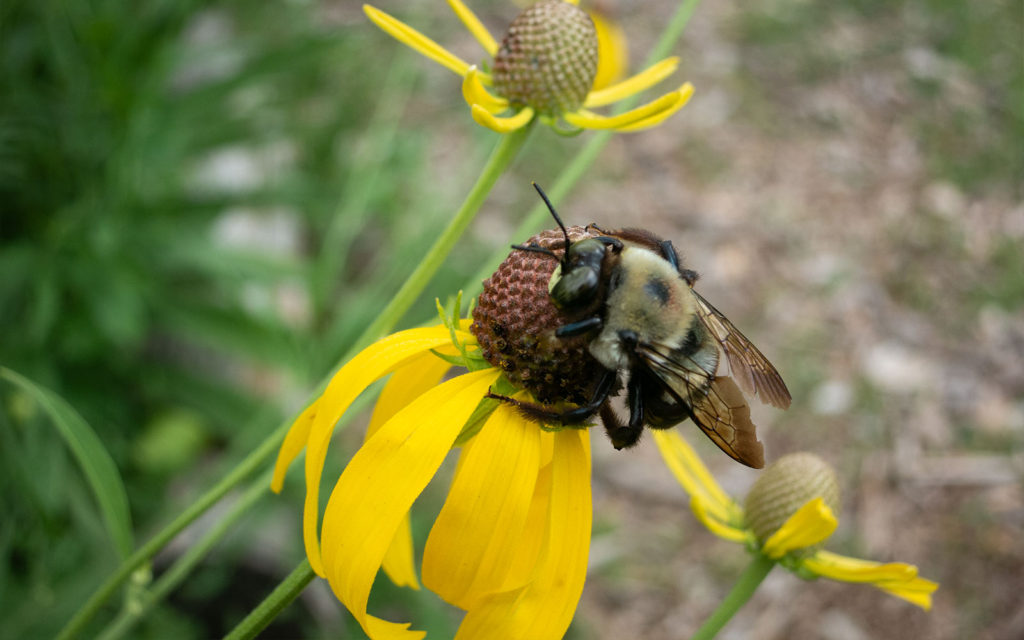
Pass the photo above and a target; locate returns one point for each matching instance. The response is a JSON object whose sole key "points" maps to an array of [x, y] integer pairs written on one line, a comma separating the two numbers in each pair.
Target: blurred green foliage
{"points": [[201, 205]]}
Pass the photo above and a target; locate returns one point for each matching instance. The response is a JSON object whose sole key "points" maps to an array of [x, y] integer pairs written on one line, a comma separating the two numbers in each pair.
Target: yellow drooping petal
{"points": [[406, 384], [475, 93], [413, 38], [589, 120], [467, 553], [685, 93], [294, 443], [695, 478], [612, 52], [645, 79], [713, 524], [479, 31], [896, 578], [376, 361], [502, 125], [812, 523], [417, 376], [528, 547], [543, 608], [917, 591], [382, 481]]}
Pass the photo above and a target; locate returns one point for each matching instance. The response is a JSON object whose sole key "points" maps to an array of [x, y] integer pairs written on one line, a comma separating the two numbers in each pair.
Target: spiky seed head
{"points": [[548, 58], [514, 321], [785, 486]]}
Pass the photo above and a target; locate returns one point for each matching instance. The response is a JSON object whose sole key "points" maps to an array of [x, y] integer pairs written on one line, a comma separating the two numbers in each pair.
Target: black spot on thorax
{"points": [[657, 289]]}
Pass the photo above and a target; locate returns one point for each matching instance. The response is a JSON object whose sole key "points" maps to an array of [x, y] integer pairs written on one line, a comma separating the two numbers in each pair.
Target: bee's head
{"points": [[577, 279]]}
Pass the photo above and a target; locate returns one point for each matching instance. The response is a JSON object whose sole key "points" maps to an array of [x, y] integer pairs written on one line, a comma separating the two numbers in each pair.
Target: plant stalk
{"points": [[745, 587], [279, 598]]}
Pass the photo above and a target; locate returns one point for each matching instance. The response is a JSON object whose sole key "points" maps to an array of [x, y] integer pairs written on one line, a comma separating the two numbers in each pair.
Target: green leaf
{"points": [[97, 465]]}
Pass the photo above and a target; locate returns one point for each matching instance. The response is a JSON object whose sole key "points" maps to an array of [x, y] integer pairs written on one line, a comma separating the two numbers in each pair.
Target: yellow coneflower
{"points": [[788, 514], [546, 67]]}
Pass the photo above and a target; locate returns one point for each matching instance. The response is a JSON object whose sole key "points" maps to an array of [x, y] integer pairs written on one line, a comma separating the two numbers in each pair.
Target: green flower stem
{"points": [[252, 462], [745, 587], [170, 579], [588, 154], [281, 597], [500, 159], [667, 41]]}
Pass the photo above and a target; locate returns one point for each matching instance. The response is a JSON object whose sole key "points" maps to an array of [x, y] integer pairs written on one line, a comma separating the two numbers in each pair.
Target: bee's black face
{"points": [[580, 279]]}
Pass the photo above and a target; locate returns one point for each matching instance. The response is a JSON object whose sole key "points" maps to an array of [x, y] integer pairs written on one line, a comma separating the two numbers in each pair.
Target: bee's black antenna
{"points": [[554, 214]]}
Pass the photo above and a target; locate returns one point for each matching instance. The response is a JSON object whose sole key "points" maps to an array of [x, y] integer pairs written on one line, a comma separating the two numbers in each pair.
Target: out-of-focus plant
{"points": [[168, 173]]}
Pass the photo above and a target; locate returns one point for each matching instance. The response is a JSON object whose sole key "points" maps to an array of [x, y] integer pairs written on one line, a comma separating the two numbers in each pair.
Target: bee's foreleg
{"points": [[579, 328]]}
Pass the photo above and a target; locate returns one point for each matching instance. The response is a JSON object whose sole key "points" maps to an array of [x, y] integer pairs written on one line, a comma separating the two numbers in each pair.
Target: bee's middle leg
{"points": [[541, 413]]}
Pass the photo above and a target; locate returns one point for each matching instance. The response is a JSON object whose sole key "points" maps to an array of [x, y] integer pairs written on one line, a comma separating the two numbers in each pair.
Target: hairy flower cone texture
{"points": [[785, 486], [548, 58]]}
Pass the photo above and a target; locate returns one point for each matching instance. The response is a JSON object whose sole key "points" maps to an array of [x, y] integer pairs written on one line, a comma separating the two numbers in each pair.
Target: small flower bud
{"points": [[784, 487], [548, 58]]}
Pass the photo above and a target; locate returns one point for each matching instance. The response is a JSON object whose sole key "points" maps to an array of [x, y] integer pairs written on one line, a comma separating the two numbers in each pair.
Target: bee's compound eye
{"points": [[590, 252], [576, 288]]}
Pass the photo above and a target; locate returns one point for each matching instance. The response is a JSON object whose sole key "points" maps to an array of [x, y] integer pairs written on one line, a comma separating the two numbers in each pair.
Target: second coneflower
{"points": [[788, 514], [544, 67]]}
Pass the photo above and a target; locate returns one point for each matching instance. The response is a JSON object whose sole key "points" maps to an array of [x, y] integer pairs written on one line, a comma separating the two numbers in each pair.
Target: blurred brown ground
{"points": [[817, 182]]}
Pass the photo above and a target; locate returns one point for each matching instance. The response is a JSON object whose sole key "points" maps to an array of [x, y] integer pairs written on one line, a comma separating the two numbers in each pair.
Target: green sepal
{"points": [[561, 127], [451, 314], [483, 410]]}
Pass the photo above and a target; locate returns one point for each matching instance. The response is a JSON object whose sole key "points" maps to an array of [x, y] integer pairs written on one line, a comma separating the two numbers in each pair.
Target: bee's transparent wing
{"points": [[716, 404], [754, 373], [724, 416]]}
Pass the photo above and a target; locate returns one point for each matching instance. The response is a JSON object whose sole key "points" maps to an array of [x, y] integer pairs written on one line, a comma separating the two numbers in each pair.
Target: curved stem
{"points": [[157, 542], [745, 587], [279, 598], [500, 159], [180, 570]]}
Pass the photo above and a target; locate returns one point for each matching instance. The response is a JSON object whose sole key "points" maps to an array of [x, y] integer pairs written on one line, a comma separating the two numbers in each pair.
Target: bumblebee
{"points": [[629, 297]]}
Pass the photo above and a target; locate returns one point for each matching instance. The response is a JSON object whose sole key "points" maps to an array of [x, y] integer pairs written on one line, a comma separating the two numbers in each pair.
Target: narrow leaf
{"points": [[97, 465]]}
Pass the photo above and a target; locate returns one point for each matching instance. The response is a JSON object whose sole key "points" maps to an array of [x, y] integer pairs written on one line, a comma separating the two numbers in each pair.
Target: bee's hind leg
{"points": [[622, 436]]}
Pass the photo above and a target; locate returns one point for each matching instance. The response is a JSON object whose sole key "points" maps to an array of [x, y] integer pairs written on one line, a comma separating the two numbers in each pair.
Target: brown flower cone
{"points": [[515, 321]]}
